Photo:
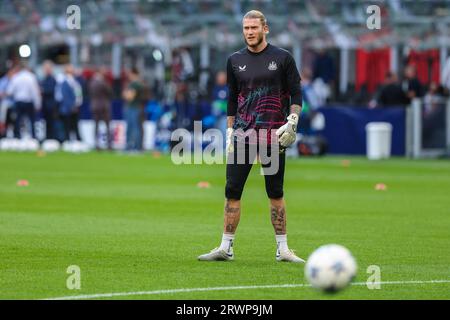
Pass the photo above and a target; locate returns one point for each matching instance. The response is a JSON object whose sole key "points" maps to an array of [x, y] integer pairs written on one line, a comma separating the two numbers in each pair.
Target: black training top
{"points": [[262, 86]]}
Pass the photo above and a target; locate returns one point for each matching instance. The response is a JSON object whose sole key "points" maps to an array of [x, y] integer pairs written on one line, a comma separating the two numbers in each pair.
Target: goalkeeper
{"points": [[264, 93]]}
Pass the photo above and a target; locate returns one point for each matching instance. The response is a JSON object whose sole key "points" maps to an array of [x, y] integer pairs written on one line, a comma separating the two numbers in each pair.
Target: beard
{"points": [[259, 40]]}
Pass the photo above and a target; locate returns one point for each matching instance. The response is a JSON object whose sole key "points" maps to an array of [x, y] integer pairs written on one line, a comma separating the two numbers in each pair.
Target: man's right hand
{"points": [[230, 147]]}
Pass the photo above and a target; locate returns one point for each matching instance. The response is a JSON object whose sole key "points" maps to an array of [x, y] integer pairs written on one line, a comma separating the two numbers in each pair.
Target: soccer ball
{"points": [[330, 268], [50, 145], [75, 147], [5, 144], [30, 145]]}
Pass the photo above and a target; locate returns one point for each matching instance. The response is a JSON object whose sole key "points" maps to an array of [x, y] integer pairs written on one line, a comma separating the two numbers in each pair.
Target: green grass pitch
{"points": [[137, 223]]}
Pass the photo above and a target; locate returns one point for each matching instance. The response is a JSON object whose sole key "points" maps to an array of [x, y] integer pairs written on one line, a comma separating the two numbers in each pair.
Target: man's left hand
{"points": [[287, 133]]}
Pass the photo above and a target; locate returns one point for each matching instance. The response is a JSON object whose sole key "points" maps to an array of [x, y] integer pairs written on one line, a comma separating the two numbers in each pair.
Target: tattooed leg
{"points": [[232, 214], [278, 215]]}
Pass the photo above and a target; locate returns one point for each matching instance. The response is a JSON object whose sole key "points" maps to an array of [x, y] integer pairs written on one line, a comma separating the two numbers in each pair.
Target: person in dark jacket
{"points": [[69, 96], [391, 93], [49, 105], [411, 84], [134, 105], [101, 95]]}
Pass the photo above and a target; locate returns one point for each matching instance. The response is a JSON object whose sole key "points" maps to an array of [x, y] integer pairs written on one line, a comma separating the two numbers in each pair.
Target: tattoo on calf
{"points": [[278, 215], [229, 209], [232, 216]]}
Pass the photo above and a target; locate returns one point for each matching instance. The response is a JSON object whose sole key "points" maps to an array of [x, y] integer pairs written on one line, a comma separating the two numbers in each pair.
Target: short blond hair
{"points": [[255, 14]]}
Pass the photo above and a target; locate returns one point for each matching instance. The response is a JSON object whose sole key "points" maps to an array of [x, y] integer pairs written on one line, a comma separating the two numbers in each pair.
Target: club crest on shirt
{"points": [[272, 66], [241, 69]]}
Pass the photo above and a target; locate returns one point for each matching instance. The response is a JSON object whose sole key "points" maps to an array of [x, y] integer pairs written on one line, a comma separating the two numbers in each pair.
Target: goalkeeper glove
{"points": [[287, 133]]}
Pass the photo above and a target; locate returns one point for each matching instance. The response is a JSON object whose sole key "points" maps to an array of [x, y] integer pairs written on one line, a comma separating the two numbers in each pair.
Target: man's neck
{"points": [[258, 48]]}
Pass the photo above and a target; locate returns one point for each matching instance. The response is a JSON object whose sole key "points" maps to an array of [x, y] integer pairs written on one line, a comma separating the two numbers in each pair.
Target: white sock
{"points": [[281, 242], [227, 242]]}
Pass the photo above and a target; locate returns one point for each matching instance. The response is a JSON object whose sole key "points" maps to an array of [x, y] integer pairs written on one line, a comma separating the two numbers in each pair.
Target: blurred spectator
{"points": [[182, 65], [49, 105], [324, 67], [7, 112], [204, 112], [322, 91], [69, 96], [323, 75], [391, 94], [434, 115], [83, 98], [310, 96], [153, 110], [183, 116], [411, 84], [101, 96], [134, 103], [219, 98], [310, 101], [187, 107], [446, 75], [360, 97], [434, 99], [23, 88]]}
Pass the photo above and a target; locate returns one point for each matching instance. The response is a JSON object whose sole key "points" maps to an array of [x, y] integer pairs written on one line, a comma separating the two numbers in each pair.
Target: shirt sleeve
{"points": [[232, 90], [293, 81]]}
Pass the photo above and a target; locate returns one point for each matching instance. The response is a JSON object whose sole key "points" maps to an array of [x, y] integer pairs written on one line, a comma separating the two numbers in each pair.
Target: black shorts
{"points": [[237, 172]]}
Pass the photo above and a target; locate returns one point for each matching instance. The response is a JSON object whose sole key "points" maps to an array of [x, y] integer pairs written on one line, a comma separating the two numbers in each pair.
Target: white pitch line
{"points": [[171, 291]]}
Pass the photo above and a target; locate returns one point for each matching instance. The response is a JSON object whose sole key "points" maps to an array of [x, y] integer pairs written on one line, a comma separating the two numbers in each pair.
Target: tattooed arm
{"points": [[295, 108], [230, 121], [287, 133]]}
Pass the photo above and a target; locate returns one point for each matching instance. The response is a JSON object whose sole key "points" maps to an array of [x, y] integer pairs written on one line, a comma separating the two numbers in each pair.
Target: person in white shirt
{"points": [[24, 90]]}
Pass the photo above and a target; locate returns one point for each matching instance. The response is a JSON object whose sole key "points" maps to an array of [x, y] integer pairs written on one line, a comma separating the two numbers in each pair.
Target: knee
{"points": [[233, 191], [275, 191]]}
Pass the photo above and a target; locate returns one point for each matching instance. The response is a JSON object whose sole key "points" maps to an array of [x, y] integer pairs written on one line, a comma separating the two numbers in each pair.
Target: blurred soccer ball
{"points": [[26, 144], [21, 145], [80, 147], [75, 147], [330, 268], [5, 144], [11, 144], [50, 145], [30, 145]]}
